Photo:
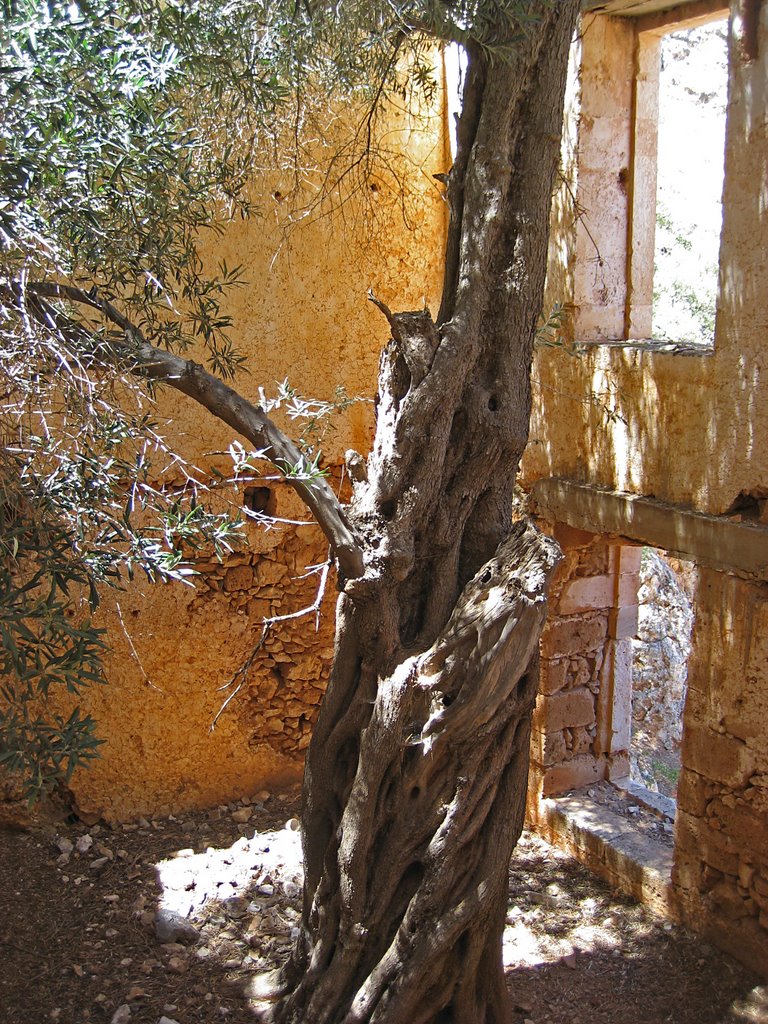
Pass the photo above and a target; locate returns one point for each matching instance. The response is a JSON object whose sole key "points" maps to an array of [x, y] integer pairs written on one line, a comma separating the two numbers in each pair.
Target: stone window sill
{"points": [[661, 345]]}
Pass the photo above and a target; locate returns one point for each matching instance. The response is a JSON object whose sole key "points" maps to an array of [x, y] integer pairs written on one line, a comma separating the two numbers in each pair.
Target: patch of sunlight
{"points": [[523, 947], [753, 1008], [606, 402], [188, 879], [595, 936]]}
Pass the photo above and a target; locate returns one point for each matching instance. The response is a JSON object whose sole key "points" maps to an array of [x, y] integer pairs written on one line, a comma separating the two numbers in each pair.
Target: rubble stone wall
{"points": [[176, 656], [581, 725], [721, 865]]}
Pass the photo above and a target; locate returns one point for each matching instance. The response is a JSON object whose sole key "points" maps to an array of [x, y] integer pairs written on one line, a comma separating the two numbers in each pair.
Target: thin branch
{"points": [[128, 637], [581, 215], [193, 380], [242, 674]]}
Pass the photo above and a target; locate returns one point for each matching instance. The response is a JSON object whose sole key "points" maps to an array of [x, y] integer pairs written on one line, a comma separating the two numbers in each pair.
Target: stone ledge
{"points": [[657, 803], [606, 843], [713, 541]]}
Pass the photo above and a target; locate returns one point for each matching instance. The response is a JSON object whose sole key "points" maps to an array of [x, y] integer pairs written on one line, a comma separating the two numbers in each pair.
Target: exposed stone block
{"points": [[552, 676], [595, 560], [693, 792], [627, 588], [548, 748], [566, 637], [566, 709], [696, 839], [687, 873], [617, 767], [570, 537], [614, 699], [741, 824], [580, 771], [580, 672], [269, 572], [721, 758], [259, 608], [623, 622], [587, 594], [238, 577], [581, 742], [724, 897], [630, 556]]}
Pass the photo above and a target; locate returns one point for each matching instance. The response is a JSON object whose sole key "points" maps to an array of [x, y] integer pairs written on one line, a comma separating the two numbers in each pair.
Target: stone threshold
{"points": [[609, 845], [656, 803]]}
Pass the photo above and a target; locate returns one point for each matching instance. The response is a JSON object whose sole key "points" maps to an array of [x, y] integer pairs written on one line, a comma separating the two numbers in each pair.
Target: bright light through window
{"points": [[692, 100]]}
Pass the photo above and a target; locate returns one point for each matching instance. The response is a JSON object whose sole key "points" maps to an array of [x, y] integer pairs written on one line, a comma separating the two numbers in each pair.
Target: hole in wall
{"points": [[259, 500], [388, 509]]}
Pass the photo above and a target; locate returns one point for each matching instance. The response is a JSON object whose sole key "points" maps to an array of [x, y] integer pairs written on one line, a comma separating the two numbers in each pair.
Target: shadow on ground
{"points": [[79, 941]]}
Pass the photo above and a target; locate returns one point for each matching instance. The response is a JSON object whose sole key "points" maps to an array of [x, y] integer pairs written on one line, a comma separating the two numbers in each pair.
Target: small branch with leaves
{"points": [[190, 378]]}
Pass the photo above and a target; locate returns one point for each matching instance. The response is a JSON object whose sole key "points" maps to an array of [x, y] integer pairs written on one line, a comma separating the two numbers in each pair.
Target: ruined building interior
{"points": [[636, 442]]}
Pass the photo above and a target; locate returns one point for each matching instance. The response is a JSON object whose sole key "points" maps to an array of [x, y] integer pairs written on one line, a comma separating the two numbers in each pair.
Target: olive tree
{"points": [[415, 777]]}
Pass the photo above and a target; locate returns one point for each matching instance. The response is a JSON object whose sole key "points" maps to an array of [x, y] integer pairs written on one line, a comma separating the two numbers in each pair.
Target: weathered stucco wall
{"points": [[302, 314], [174, 650]]}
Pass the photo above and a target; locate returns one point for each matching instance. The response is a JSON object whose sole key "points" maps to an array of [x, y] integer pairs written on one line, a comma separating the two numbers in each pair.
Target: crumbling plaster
{"points": [[302, 314], [654, 444]]}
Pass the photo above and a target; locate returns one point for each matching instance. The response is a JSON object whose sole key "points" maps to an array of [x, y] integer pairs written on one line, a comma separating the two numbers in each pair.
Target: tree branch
{"points": [[193, 380]]}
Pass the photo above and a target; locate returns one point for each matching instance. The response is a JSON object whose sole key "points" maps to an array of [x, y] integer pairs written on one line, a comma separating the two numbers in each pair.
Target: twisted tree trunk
{"points": [[416, 774]]}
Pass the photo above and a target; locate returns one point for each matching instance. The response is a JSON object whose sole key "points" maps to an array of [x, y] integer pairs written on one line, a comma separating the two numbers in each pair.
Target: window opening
{"points": [[693, 84]]}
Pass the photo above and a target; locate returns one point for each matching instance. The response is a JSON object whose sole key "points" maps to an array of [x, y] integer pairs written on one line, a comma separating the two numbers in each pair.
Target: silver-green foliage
{"points": [[129, 129]]}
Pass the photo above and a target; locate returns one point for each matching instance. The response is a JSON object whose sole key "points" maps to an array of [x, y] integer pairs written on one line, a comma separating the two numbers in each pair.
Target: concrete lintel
{"points": [[712, 541]]}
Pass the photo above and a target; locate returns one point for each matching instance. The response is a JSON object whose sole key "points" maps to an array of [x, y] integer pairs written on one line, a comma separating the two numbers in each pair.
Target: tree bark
{"points": [[416, 774]]}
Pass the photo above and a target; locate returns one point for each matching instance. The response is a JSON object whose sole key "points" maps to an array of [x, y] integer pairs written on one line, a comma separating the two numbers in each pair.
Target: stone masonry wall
{"points": [[287, 677], [721, 864], [581, 725], [175, 656]]}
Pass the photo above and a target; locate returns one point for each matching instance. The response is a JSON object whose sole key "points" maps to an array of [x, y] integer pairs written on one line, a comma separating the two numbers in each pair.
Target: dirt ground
{"points": [[168, 919]]}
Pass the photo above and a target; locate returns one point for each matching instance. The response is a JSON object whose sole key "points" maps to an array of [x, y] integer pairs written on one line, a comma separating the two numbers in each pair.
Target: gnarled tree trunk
{"points": [[416, 774]]}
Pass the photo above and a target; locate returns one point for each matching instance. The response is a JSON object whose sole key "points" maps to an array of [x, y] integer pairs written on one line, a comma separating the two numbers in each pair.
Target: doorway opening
{"points": [[660, 653]]}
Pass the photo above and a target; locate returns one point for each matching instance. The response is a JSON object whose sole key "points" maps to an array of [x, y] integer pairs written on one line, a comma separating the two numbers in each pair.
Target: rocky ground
{"points": [[165, 921]]}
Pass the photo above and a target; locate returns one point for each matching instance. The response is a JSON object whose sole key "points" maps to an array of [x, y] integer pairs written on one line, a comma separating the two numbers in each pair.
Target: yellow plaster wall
{"points": [[303, 314]]}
